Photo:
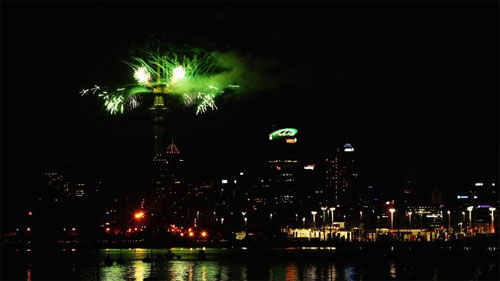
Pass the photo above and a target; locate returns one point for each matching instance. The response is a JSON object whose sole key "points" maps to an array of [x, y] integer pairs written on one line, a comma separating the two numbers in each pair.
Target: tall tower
{"points": [[159, 115], [340, 176], [155, 196]]}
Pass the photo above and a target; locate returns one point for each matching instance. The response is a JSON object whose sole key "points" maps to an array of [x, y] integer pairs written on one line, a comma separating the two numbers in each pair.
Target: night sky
{"points": [[406, 84]]}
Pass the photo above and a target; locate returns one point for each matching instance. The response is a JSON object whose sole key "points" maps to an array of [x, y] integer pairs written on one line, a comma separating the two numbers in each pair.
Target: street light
{"points": [[139, 215], [409, 218], [304, 222], [392, 210], [245, 222], [360, 217], [463, 217], [332, 210], [470, 208], [314, 217], [324, 221], [492, 210], [324, 216], [221, 220], [449, 219]]}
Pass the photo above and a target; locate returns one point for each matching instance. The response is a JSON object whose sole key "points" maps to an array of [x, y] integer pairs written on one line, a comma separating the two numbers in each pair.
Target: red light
{"points": [[406, 214], [135, 228], [139, 215]]}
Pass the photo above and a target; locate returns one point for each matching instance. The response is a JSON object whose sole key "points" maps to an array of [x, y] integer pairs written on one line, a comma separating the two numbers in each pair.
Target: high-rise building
{"points": [[283, 166], [169, 195], [340, 176], [331, 180], [409, 194], [312, 193]]}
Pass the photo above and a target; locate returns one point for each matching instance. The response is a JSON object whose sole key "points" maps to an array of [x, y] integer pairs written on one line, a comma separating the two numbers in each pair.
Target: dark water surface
{"points": [[249, 264]]}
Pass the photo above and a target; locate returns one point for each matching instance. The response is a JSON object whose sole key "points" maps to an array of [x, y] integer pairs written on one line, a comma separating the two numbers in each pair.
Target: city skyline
{"points": [[351, 77]]}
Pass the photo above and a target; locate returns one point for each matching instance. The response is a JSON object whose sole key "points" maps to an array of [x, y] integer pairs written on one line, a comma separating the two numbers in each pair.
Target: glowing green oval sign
{"points": [[283, 133]]}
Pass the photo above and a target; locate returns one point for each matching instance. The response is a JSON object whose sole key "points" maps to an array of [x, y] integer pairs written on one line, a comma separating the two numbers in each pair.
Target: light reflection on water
{"points": [[311, 272], [392, 269], [28, 274], [350, 273], [190, 269], [218, 266], [291, 272]]}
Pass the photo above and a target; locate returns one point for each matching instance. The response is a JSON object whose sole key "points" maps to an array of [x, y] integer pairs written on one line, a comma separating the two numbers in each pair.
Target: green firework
{"points": [[197, 79]]}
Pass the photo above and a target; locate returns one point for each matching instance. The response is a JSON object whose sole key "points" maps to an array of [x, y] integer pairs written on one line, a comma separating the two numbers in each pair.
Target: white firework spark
{"points": [[188, 100], [207, 101]]}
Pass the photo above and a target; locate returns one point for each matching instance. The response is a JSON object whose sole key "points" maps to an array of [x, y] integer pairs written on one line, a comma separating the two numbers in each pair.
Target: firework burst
{"points": [[196, 79]]}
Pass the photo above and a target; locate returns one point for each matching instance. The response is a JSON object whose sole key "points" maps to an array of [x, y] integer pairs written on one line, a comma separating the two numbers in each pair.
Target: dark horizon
{"points": [[405, 83]]}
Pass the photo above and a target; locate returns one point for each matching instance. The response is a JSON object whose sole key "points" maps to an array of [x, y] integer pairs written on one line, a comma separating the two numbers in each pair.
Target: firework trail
{"points": [[197, 79]]}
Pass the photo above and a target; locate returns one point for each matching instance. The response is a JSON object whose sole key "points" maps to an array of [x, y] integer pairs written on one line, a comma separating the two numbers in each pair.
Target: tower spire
{"points": [[172, 148]]}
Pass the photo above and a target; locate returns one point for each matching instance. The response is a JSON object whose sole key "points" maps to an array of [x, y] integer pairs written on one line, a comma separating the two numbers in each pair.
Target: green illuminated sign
{"points": [[283, 133]]}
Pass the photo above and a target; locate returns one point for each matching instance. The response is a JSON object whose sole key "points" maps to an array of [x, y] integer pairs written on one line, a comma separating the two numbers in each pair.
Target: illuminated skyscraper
{"points": [[331, 180], [340, 175], [169, 192], [283, 166]]}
